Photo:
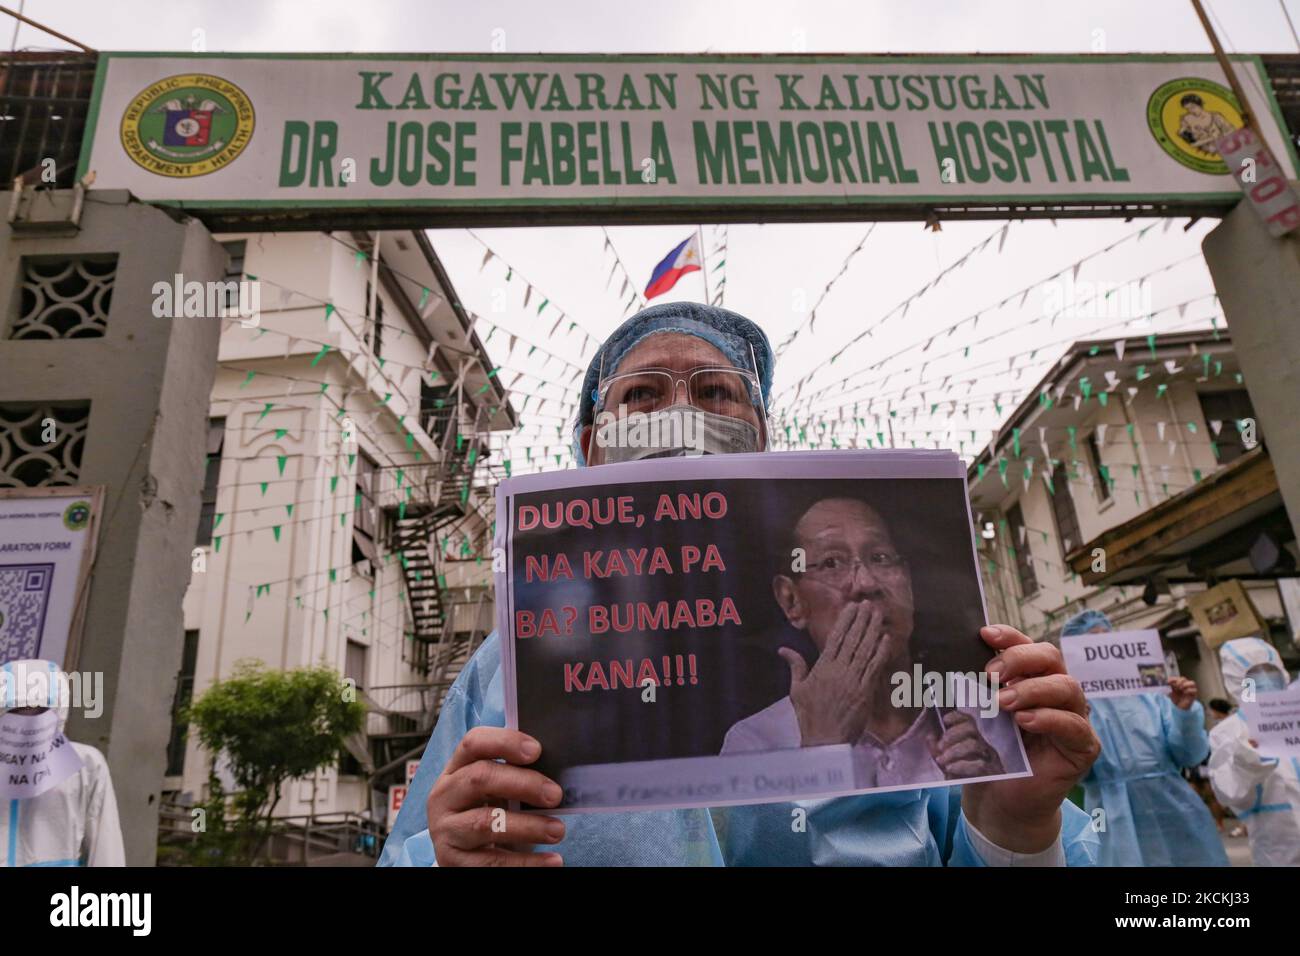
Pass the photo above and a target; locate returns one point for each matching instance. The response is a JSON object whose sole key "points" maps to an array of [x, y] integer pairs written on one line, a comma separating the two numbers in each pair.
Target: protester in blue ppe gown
{"points": [[473, 765], [1152, 815]]}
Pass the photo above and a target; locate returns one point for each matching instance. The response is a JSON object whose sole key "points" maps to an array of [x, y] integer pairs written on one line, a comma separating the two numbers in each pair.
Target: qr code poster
{"points": [[47, 540]]}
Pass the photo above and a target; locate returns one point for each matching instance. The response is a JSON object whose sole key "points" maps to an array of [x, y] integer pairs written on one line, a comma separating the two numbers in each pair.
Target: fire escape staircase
{"points": [[421, 501]]}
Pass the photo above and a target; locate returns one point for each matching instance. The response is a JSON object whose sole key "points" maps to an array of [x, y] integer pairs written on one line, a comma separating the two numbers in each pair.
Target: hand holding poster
{"points": [[1274, 720], [1117, 663], [748, 628]]}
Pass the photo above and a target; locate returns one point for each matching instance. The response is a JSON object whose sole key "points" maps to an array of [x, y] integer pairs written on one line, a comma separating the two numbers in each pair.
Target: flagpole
{"points": [[704, 265], [1247, 114]]}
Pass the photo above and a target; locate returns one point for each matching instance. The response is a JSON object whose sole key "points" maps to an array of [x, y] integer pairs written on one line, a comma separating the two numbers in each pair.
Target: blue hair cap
{"points": [[1085, 621], [729, 332]]}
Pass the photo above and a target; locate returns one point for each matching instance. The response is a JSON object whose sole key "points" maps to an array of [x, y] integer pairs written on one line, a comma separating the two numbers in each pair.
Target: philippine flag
{"points": [[684, 258]]}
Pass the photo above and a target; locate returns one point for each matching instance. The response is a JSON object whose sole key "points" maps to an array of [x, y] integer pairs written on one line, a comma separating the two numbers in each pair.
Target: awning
{"points": [[1173, 536]]}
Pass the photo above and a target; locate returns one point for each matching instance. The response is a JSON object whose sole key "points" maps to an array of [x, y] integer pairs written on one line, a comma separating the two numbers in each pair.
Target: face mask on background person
{"points": [[678, 430], [1267, 678]]}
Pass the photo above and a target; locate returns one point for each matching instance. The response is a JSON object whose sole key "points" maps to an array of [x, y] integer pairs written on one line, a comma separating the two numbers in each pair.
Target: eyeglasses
{"points": [[721, 390], [604, 387], [838, 570]]}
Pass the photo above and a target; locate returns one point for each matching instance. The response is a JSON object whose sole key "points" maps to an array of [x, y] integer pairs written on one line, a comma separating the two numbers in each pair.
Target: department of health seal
{"points": [[187, 125], [77, 516], [1188, 116]]}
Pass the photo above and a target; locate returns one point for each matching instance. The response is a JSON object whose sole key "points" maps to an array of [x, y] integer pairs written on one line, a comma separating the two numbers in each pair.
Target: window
{"points": [[354, 664], [211, 476], [236, 249], [1024, 558], [365, 556], [184, 693], [41, 445], [378, 324], [354, 668], [64, 297], [437, 412], [1228, 408], [1100, 485], [1067, 519]]}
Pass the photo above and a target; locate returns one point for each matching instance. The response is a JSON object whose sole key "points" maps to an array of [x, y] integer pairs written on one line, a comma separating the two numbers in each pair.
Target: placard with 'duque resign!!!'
{"points": [[1117, 663]]}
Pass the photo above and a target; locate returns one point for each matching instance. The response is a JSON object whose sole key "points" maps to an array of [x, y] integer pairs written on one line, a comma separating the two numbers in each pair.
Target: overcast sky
{"points": [[769, 269]]}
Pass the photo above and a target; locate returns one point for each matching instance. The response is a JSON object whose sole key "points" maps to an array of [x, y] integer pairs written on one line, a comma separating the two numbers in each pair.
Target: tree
{"points": [[273, 726]]}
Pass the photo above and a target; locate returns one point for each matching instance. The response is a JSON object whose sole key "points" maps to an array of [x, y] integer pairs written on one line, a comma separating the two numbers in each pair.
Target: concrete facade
{"points": [[1153, 418], [147, 381], [1258, 281], [279, 583]]}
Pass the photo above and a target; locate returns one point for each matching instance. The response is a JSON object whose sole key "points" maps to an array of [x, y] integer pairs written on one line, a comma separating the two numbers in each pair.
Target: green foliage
{"points": [[273, 726], [217, 842]]}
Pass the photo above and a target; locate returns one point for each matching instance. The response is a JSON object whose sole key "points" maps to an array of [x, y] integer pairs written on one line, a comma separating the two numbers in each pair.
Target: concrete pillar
{"points": [[148, 382], [1258, 281]]}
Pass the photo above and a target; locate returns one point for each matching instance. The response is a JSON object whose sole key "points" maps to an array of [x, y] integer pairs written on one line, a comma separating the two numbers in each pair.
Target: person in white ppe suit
{"points": [[1264, 792], [57, 806]]}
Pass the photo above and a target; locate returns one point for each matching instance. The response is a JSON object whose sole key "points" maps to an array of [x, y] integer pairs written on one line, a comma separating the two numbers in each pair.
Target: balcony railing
{"points": [[400, 708], [427, 485], [333, 839]]}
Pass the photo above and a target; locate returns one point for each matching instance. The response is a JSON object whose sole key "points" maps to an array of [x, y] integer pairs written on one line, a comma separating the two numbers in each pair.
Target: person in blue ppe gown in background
{"points": [[1153, 817], [1264, 792], [473, 765]]}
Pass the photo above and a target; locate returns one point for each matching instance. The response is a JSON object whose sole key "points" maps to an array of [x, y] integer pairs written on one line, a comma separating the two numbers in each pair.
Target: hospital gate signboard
{"points": [[674, 134]]}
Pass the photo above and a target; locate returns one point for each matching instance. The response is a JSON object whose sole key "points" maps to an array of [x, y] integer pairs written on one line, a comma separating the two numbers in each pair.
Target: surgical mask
{"points": [[678, 430], [1267, 677]]}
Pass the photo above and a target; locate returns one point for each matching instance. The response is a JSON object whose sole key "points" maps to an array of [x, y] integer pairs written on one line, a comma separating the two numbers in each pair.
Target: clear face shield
{"points": [[715, 417], [1267, 677]]}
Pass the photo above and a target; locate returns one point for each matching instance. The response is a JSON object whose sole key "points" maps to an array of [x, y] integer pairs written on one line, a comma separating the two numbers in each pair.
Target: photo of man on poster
{"points": [[850, 590]]}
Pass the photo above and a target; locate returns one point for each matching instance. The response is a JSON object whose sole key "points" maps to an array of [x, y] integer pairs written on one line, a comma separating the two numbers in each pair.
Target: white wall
{"points": [[1164, 471], [289, 626]]}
